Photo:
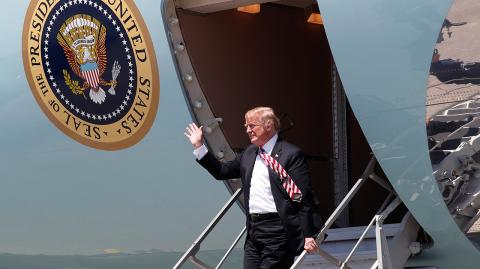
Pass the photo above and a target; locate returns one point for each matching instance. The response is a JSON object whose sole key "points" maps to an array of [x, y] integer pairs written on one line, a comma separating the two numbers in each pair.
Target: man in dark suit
{"points": [[279, 221]]}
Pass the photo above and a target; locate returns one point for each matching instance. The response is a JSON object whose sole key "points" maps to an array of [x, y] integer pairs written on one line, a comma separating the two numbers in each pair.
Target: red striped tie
{"points": [[287, 181]]}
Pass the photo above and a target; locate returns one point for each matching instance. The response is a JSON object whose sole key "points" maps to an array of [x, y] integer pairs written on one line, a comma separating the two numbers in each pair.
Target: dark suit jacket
{"points": [[296, 217]]}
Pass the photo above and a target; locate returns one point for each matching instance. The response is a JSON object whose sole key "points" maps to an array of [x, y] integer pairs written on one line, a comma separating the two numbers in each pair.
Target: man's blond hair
{"points": [[266, 115]]}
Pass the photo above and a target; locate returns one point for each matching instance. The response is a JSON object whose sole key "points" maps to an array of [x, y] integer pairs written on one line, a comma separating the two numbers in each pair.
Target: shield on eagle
{"points": [[91, 74], [82, 39]]}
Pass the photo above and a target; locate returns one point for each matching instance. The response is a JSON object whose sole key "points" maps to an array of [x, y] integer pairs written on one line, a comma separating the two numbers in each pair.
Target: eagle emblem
{"points": [[65, 44], [82, 39]]}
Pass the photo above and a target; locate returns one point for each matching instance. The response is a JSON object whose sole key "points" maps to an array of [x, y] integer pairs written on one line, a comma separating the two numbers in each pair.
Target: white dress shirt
{"points": [[261, 198], [200, 152]]}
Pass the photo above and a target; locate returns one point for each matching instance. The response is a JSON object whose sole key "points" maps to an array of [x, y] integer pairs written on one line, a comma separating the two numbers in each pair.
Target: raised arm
{"points": [[219, 170], [194, 134]]}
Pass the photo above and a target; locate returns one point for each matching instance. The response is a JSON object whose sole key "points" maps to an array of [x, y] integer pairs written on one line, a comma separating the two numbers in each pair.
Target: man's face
{"points": [[258, 133]]}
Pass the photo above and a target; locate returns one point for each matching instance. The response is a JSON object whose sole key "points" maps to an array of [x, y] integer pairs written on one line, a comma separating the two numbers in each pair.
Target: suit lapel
{"points": [[276, 154], [277, 149], [250, 162]]}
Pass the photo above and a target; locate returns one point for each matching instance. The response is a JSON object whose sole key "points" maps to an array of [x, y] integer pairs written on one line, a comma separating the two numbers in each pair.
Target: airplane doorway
{"points": [[276, 58]]}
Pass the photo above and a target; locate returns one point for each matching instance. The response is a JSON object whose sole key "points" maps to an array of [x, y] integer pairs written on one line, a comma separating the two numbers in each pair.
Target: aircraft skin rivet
{"points": [[173, 20], [188, 77], [415, 248], [180, 46], [198, 104]]}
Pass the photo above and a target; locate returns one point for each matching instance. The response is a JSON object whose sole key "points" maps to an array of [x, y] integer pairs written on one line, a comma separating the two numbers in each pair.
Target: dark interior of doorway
{"points": [[275, 58]]}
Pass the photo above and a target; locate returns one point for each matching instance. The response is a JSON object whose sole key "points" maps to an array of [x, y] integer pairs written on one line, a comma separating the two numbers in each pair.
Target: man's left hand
{"points": [[310, 245]]}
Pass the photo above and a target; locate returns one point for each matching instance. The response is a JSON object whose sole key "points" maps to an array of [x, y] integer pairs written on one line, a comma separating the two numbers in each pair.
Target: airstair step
{"points": [[340, 242], [458, 117], [475, 104], [456, 111]]}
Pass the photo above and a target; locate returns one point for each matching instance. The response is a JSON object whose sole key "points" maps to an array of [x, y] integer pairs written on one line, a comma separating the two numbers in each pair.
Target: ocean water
{"points": [[148, 260]]}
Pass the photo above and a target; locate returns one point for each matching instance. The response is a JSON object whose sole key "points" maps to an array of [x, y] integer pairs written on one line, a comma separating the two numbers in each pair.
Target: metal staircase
{"points": [[377, 245], [390, 250], [196, 245]]}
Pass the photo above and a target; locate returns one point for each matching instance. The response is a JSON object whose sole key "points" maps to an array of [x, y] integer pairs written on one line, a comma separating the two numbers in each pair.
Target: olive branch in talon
{"points": [[73, 84], [115, 72]]}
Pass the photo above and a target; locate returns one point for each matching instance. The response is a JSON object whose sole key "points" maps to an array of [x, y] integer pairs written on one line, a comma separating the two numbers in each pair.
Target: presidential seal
{"points": [[92, 69]]}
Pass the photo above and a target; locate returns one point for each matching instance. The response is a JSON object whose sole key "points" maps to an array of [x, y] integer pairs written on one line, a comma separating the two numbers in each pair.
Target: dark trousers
{"points": [[266, 246]]}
